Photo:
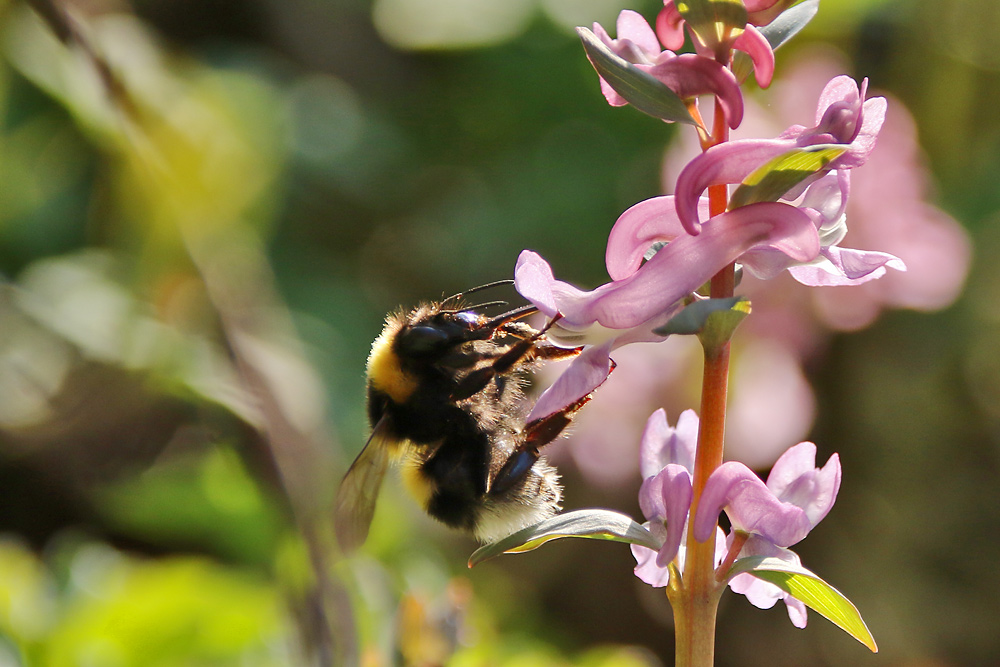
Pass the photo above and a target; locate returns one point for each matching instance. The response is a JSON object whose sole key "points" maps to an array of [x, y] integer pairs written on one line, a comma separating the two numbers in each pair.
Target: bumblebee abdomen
{"points": [[449, 483]]}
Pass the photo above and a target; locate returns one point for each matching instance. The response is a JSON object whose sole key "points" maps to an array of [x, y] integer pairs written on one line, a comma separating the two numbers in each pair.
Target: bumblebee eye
{"points": [[516, 467], [423, 339]]}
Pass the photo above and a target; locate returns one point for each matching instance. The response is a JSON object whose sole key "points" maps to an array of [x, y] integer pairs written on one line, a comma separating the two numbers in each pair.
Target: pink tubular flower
{"points": [[844, 120], [655, 221], [776, 515], [641, 299], [670, 26], [796, 497], [687, 75], [667, 462], [888, 209]]}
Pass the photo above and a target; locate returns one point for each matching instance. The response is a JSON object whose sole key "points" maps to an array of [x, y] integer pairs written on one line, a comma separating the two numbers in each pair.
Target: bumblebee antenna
{"points": [[473, 290], [479, 306]]}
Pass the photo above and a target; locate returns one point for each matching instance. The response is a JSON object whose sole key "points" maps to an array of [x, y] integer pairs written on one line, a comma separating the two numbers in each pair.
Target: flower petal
{"points": [[828, 196], [762, 12], [795, 479], [755, 45], [665, 499], [670, 26], [797, 612], [750, 505], [646, 568], [845, 266], [534, 281], [675, 487], [874, 116], [662, 444], [729, 162], [632, 27], [844, 116], [650, 221], [690, 75], [585, 374]]}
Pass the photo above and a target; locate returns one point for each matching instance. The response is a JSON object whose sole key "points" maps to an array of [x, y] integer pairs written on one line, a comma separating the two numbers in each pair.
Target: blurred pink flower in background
{"points": [[771, 402]]}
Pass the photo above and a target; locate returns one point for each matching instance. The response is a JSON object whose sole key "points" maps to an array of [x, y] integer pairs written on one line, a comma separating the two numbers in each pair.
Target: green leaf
{"points": [[714, 21], [807, 587], [593, 524], [694, 318], [642, 90], [789, 23], [781, 174], [777, 32]]}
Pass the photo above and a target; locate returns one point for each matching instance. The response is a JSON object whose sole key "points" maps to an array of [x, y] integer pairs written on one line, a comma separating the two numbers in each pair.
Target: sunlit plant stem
{"points": [[695, 635]]}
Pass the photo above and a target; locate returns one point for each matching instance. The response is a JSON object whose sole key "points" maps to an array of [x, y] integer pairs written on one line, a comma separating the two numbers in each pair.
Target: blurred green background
{"points": [[199, 245]]}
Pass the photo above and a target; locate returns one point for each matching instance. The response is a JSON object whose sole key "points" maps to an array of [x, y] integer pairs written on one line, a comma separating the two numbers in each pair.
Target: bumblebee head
{"points": [[425, 338]]}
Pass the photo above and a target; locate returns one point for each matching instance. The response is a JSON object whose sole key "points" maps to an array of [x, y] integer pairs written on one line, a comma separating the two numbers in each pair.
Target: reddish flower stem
{"points": [[695, 615]]}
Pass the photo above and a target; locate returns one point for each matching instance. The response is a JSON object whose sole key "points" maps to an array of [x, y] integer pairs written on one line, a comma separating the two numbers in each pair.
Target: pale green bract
{"points": [[642, 90], [782, 173], [807, 587], [593, 524]]}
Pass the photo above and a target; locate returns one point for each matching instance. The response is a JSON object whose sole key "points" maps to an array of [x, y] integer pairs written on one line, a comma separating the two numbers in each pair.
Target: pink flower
{"points": [[666, 462], [843, 118], [670, 27], [776, 515], [796, 497], [687, 75], [640, 299], [888, 209], [844, 121]]}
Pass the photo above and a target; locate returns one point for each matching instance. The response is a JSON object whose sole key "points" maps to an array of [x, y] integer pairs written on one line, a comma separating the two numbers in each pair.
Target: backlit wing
{"points": [[359, 491]]}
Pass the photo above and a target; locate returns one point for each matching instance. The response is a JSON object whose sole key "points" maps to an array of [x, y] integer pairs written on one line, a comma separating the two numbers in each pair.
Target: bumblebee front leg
{"points": [[523, 350]]}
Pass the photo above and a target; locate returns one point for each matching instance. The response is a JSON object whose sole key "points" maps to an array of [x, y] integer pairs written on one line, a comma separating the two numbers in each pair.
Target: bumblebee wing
{"points": [[359, 490]]}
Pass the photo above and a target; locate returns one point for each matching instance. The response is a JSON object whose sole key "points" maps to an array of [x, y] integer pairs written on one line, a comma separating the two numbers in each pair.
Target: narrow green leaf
{"points": [[642, 90], [714, 21], [807, 587], [789, 23], [781, 174], [593, 524], [693, 318]]}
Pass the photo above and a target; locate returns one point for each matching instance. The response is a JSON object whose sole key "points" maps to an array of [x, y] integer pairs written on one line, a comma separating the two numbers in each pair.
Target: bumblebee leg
{"points": [[523, 349], [543, 431], [549, 352]]}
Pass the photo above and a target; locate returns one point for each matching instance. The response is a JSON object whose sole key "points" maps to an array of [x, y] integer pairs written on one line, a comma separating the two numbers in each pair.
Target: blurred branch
{"points": [[247, 304], [70, 32], [240, 287]]}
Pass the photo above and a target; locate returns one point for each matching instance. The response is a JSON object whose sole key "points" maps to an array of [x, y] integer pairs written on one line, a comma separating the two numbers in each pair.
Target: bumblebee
{"points": [[446, 403]]}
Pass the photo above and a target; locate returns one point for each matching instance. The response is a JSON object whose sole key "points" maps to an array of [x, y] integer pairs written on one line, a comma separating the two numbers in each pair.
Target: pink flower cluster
{"points": [[769, 516], [771, 401]]}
